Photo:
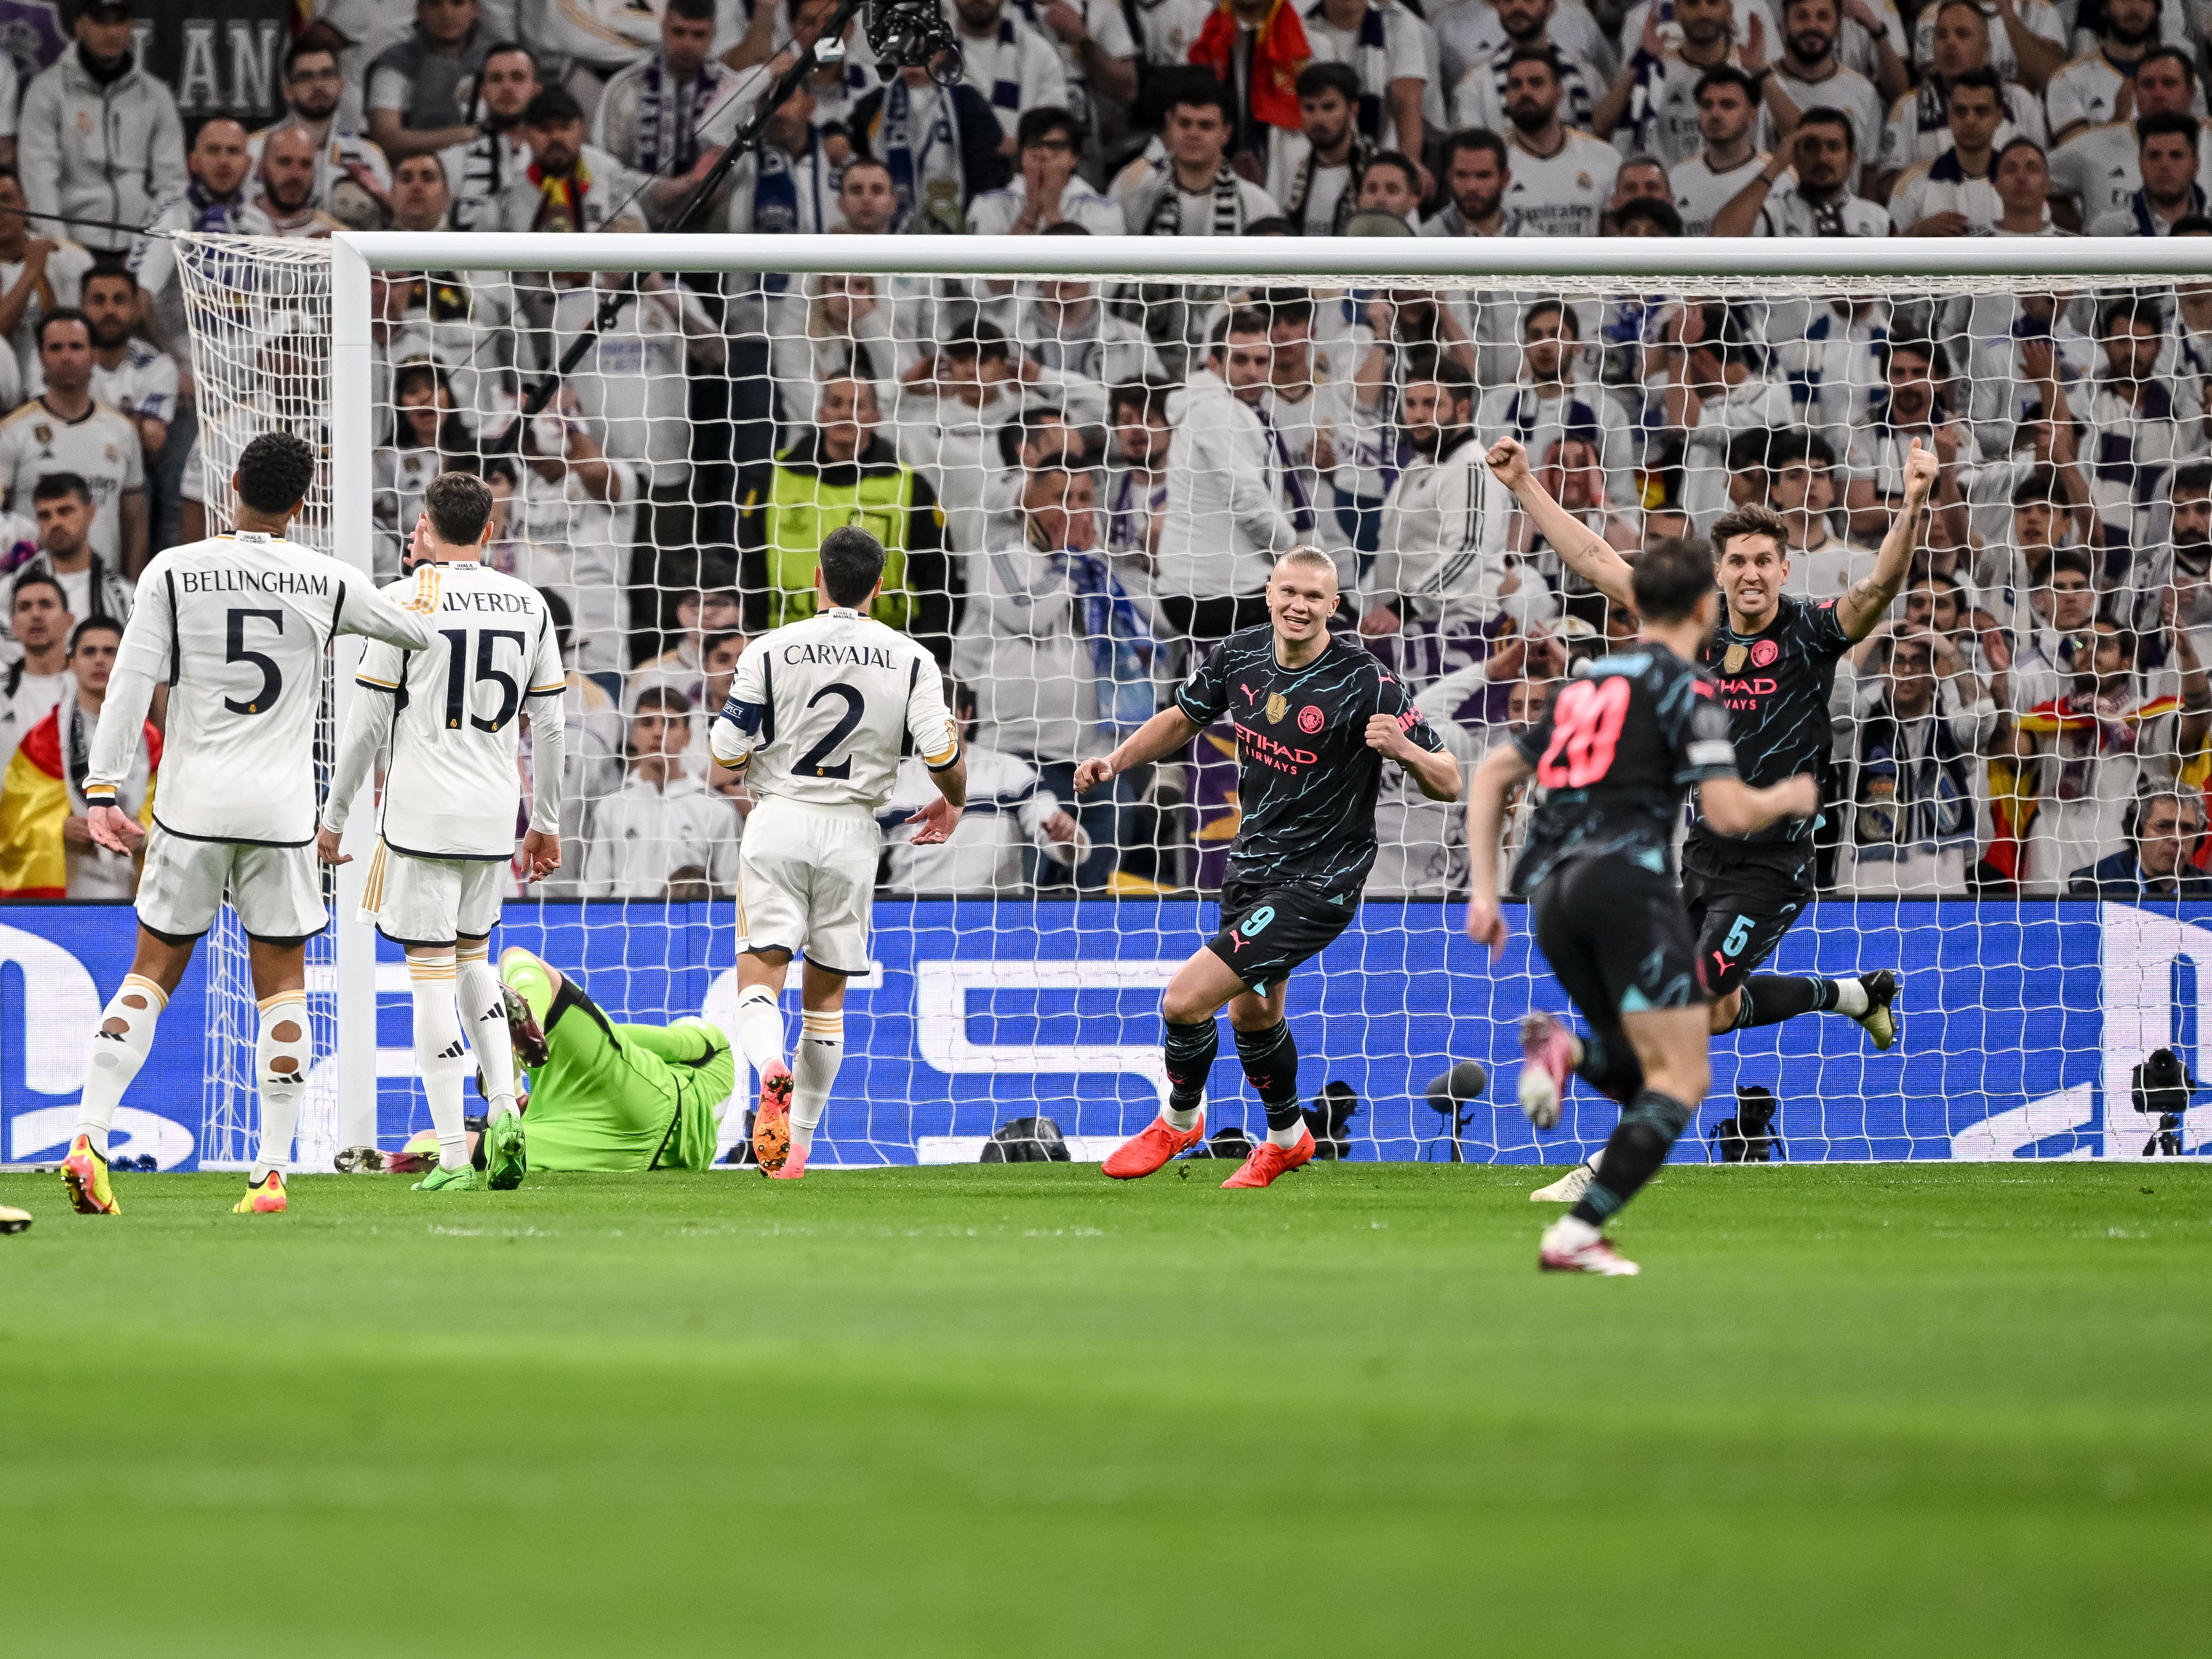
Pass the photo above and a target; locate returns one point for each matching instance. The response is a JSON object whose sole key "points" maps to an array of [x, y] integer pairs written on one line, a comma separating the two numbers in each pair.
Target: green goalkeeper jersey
{"points": [[614, 1097]]}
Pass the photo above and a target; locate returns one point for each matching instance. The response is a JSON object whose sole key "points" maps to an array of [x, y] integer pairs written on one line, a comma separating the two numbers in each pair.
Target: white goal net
{"points": [[1082, 456]]}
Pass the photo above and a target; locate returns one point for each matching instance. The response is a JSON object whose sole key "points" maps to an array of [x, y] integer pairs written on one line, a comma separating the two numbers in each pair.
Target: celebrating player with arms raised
{"points": [[1773, 659], [1314, 719], [453, 711], [1615, 752], [236, 627], [818, 715]]}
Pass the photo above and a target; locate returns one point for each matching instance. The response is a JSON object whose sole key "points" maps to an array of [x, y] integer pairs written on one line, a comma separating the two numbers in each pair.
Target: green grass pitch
{"points": [[1955, 1410]]}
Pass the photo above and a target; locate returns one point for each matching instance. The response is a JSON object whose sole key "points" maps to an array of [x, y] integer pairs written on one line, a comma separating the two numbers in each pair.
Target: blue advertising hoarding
{"points": [[981, 1012]]}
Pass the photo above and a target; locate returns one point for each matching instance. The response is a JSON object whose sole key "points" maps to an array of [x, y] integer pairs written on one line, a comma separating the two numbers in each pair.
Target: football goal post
{"points": [[1080, 453]]}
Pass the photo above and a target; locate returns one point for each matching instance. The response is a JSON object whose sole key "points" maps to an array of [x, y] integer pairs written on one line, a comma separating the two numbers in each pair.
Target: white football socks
{"points": [[441, 1058], [281, 1054], [1288, 1138], [760, 1029], [821, 1052], [1181, 1122], [484, 1011], [119, 1048], [1851, 997], [1570, 1232]]}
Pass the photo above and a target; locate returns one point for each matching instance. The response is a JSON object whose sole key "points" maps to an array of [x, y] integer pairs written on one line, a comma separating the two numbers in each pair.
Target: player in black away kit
{"points": [[1316, 718], [1614, 754], [1773, 660]]}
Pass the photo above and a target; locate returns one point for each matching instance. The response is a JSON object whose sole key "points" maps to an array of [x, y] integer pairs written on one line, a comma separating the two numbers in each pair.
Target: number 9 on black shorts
{"points": [[1266, 931]]}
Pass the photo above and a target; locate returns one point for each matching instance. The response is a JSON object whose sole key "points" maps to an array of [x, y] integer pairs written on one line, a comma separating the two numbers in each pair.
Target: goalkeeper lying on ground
{"points": [[606, 1096]]}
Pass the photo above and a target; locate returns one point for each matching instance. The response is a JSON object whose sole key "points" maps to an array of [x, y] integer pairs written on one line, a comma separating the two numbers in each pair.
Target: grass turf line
{"points": [[1022, 1410]]}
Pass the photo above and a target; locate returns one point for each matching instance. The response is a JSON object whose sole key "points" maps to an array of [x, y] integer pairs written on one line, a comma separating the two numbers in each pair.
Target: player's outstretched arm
{"points": [[1860, 608], [1732, 807], [405, 614], [367, 722], [1162, 735], [1502, 768], [1585, 552]]}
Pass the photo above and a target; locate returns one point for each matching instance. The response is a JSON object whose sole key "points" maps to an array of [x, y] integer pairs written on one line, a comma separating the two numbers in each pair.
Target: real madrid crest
{"points": [[1278, 706], [1733, 663], [43, 433]]}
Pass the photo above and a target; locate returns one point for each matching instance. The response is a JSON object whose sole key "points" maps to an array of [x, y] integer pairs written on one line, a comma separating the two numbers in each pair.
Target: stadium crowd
{"points": [[1083, 483]]}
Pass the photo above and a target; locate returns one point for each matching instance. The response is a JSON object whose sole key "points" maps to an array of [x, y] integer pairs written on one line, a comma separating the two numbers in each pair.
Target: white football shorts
{"points": [[277, 891], [806, 882], [432, 901]]}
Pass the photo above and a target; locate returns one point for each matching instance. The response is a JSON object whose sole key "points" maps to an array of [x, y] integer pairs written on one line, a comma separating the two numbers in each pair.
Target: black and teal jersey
{"points": [[1614, 754], [1306, 780], [1775, 685]]}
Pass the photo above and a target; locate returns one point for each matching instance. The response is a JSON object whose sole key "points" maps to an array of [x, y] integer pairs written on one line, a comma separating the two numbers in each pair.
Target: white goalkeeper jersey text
{"points": [[237, 627], [822, 712], [452, 788]]}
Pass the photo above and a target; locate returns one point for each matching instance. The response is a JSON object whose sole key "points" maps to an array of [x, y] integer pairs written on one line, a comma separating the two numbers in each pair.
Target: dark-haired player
{"points": [[1316, 718], [235, 626], [1773, 660], [1614, 753]]}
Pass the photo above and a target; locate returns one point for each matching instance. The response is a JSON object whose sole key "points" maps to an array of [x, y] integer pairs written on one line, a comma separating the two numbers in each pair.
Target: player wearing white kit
{"points": [[236, 627], [453, 712], [819, 715]]}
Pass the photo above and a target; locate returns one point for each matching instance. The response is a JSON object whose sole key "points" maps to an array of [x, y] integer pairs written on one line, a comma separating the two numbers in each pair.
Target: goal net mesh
{"points": [[1080, 481]]}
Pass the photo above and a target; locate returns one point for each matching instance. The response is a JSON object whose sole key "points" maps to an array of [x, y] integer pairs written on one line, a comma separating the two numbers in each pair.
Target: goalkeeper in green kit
{"points": [[608, 1096]]}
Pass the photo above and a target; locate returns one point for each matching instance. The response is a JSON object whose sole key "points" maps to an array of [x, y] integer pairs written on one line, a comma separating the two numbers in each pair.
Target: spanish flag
{"points": [[1278, 55], [2014, 783], [35, 799]]}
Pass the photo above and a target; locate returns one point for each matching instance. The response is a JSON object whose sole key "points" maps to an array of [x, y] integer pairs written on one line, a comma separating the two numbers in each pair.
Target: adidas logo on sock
{"points": [[453, 1050]]}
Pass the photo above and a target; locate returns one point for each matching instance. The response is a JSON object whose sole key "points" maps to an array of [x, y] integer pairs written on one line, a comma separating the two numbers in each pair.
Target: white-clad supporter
{"points": [[37, 673], [99, 137], [594, 39], [1389, 186], [1873, 44], [2096, 171], [2166, 161], [363, 29], [664, 829], [462, 321], [283, 192], [1440, 561], [1406, 328], [1225, 518], [2136, 430], [659, 115], [1915, 403], [1195, 192], [352, 177], [1477, 172], [1804, 189], [594, 736], [1802, 486], [214, 198], [1136, 499], [64, 430], [1062, 326], [1652, 104], [576, 497], [1046, 190], [848, 333], [91, 585], [2088, 92], [1954, 194], [427, 435], [1831, 363], [1165, 30], [1470, 31], [571, 185], [43, 851], [1014, 833], [1709, 181], [1922, 723], [1918, 126], [1717, 388], [1306, 408], [701, 614], [480, 172], [1011, 62], [454, 712], [944, 423], [1545, 408], [632, 384], [1381, 45], [1314, 172], [1811, 76], [818, 716], [788, 184], [36, 272], [1561, 179], [237, 628], [1098, 54], [127, 374], [1478, 98], [418, 87], [2027, 40]]}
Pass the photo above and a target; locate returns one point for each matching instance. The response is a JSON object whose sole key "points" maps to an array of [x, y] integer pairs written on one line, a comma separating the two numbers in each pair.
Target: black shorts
{"points": [[1616, 938], [1740, 901], [1266, 931]]}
